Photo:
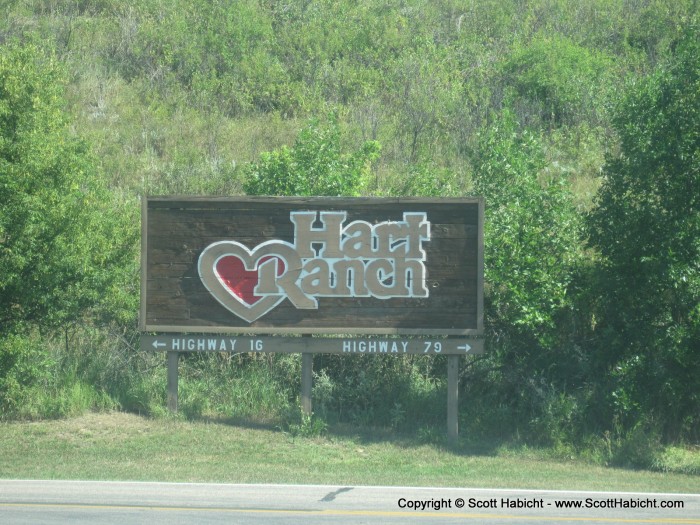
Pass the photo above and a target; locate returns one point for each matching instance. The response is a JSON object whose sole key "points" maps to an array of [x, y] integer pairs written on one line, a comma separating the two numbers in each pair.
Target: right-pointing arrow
{"points": [[464, 347]]}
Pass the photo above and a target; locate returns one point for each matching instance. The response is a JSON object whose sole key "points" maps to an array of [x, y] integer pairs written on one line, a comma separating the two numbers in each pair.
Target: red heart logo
{"points": [[230, 271], [241, 282]]}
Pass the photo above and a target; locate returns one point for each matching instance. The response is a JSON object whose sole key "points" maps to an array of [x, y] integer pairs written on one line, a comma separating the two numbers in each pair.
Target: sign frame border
{"points": [[257, 330]]}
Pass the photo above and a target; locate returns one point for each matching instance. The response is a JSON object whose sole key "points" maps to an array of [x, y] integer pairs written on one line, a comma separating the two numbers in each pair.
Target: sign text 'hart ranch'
{"points": [[359, 259], [312, 265]]}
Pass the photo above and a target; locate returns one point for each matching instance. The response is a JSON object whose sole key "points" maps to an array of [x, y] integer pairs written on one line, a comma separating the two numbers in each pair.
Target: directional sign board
{"points": [[312, 345]]}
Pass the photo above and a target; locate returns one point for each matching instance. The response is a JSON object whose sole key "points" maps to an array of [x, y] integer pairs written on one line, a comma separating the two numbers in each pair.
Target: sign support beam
{"points": [[173, 359], [452, 399], [307, 367]]}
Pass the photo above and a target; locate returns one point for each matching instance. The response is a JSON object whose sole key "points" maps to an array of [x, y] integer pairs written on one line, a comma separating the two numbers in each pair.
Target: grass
{"points": [[119, 446]]}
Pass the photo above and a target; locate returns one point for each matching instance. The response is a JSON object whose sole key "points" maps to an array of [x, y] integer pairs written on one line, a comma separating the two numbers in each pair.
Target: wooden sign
{"points": [[274, 265]]}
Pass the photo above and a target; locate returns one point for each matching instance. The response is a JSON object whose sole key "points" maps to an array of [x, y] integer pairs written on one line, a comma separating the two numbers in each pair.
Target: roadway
{"points": [[97, 503]]}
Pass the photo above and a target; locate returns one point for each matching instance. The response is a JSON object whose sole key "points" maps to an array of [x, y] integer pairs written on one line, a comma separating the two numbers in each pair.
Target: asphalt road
{"points": [[76, 502]]}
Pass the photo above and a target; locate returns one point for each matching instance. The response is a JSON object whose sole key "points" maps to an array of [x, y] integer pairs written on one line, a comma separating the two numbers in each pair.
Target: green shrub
{"points": [[299, 424], [25, 372], [558, 81], [66, 242], [646, 225], [314, 166]]}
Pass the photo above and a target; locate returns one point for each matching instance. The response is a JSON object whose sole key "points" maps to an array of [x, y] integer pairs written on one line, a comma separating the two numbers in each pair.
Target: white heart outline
{"points": [[211, 255]]}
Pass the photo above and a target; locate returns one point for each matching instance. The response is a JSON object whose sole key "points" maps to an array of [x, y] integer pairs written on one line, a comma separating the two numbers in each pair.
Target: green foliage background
{"points": [[578, 121]]}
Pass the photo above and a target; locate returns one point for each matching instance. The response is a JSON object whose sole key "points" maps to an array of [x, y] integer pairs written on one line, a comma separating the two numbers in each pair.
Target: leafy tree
{"points": [[315, 165], [531, 226], [647, 228], [221, 54], [559, 81], [65, 244], [423, 87], [532, 253]]}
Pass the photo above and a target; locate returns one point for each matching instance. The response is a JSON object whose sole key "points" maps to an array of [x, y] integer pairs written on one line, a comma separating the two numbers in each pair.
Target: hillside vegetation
{"points": [[579, 122]]}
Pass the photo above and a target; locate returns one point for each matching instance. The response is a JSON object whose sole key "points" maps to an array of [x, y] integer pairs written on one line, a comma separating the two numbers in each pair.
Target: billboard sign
{"points": [[275, 265]]}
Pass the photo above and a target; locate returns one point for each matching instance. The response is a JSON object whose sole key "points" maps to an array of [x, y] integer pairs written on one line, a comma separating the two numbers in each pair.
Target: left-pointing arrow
{"points": [[157, 344]]}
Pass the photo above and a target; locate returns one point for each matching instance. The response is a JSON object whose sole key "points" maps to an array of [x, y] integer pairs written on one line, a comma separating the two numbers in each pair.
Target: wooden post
{"points": [[307, 367], [173, 358], [452, 398]]}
